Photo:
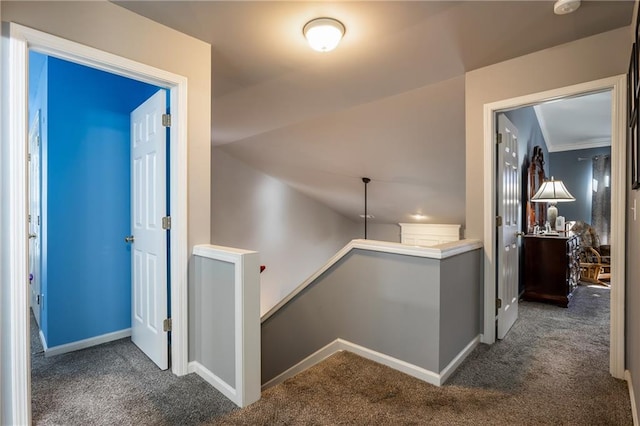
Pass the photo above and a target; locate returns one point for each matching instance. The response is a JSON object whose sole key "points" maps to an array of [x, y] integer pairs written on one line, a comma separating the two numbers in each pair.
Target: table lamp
{"points": [[552, 192]]}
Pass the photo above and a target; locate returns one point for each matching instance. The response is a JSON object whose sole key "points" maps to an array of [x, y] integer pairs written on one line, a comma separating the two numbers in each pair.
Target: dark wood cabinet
{"points": [[551, 268]]}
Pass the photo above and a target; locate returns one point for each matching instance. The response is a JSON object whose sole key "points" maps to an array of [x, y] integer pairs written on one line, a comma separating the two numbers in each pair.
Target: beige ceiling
{"points": [[388, 103]]}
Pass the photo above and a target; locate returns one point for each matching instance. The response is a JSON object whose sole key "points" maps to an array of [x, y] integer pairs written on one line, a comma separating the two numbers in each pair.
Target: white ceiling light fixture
{"points": [[323, 34], [562, 7]]}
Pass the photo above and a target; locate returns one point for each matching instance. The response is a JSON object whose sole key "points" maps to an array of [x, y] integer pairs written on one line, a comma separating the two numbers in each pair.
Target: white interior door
{"points": [[149, 245], [34, 217], [508, 208]]}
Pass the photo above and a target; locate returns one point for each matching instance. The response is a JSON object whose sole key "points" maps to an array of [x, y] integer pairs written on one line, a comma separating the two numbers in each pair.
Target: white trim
{"points": [[586, 144], [87, 343], [246, 318], [441, 251], [15, 113], [43, 340], [455, 362], [634, 408], [339, 345], [395, 363], [215, 381], [313, 359], [226, 254], [15, 232], [617, 85]]}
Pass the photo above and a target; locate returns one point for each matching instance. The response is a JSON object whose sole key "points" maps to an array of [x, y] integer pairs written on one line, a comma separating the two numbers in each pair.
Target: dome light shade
{"points": [[323, 34]]}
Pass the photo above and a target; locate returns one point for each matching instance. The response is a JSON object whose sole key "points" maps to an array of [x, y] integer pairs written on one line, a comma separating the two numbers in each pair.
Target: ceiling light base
{"points": [[563, 7]]}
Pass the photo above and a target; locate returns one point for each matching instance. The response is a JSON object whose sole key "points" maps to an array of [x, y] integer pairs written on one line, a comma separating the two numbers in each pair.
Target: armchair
{"points": [[595, 259]]}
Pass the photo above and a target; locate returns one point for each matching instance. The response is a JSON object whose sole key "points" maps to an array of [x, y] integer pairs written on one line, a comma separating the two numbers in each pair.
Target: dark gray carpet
{"points": [[116, 384], [552, 369]]}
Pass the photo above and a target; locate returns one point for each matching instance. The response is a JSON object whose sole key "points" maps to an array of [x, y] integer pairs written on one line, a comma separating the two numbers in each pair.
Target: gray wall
{"points": [[381, 232], [397, 305], [460, 317], [587, 59], [212, 317], [632, 292], [576, 175], [294, 234]]}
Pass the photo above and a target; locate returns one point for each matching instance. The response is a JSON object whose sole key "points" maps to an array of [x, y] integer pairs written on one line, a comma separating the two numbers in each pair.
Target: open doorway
{"points": [[81, 202], [616, 86], [564, 144], [21, 40]]}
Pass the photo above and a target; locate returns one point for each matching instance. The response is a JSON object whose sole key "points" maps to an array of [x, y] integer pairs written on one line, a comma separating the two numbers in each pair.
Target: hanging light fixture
{"points": [[323, 34], [366, 215]]}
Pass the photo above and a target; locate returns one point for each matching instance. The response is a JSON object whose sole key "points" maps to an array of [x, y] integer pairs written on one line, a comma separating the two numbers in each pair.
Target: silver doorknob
{"points": [[32, 236], [129, 239], [520, 234]]}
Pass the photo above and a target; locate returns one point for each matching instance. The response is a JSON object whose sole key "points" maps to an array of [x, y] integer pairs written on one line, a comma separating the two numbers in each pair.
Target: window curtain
{"points": [[601, 197]]}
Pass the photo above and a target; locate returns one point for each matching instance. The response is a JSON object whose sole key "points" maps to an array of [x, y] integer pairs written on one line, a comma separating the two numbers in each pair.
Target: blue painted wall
{"points": [[575, 169], [87, 213]]}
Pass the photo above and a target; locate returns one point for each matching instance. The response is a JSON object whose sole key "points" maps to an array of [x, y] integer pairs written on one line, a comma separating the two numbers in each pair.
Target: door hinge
{"points": [[166, 120], [499, 138], [498, 221], [166, 222], [29, 157], [498, 303], [38, 299], [29, 218], [166, 324]]}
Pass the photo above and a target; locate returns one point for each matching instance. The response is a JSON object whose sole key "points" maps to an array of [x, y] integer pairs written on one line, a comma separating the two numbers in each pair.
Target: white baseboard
{"points": [[43, 340], [313, 359], [455, 362], [410, 369], [634, 409], [338, 345], [215, 381], [85, 343]]}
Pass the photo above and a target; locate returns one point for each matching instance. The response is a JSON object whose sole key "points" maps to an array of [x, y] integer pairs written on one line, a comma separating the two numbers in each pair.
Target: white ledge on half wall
{"points": [[440, 251], [219, 252]]}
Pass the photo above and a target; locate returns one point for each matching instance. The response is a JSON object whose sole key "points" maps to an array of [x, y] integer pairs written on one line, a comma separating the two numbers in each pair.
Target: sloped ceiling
{"points": [[388, 103]]}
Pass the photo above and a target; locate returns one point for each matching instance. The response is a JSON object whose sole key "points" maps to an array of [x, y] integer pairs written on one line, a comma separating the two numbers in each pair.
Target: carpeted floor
{"points": [[116, 384], [551, 369]]}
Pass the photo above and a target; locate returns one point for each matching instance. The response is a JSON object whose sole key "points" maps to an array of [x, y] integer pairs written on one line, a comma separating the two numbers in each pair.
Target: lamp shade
{"points": [[323, 34], [552, 191]]}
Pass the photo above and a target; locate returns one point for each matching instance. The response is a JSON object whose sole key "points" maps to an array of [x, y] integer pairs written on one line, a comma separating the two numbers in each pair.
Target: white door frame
{"points": [[617, 86], [14, 162]]}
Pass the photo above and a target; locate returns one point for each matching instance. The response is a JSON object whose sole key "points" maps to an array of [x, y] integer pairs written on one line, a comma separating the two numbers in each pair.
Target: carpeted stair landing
{"points": [[552, 369]]}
